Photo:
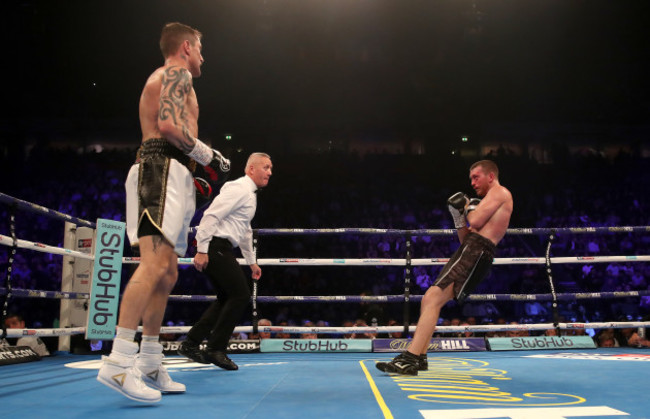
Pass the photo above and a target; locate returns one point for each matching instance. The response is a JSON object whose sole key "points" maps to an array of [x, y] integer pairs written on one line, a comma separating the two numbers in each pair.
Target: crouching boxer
{"points": [[160, 203], [488, 220]]}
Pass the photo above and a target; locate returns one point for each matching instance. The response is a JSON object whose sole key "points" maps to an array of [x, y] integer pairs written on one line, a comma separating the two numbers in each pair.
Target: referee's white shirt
{"points": [[229, 217]]}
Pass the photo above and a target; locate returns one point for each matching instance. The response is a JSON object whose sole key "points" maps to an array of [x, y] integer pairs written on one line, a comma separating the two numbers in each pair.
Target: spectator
{"points": [[394, 335], [283, 335], [15, 321], [261, 335]]}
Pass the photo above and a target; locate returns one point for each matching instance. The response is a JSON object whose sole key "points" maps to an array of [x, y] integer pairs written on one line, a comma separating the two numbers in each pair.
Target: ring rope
{"points": [[13, 333], [17, 292], [40, 247], [7, 199], [4, 198], [432, 261], [439, 232]]}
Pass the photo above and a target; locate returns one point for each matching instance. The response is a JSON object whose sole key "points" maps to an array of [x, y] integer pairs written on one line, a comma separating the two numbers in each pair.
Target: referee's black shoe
{"points": [[220, 359], [405, 363], [192, 351]]}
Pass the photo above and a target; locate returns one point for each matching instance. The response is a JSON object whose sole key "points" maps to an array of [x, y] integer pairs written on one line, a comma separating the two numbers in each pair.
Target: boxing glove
{"points": [[217, 170], [472, 204], [216, 166], [203, 192], [456, 204]]}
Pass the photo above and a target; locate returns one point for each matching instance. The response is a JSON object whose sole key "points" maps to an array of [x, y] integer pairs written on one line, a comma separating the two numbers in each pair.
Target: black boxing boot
{"points": [[423, 363], [405, 363]]}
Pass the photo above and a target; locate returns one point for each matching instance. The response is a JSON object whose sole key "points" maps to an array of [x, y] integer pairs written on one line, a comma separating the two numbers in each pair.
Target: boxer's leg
{"points": [[434, 299], [150, 359], [118, 370]]}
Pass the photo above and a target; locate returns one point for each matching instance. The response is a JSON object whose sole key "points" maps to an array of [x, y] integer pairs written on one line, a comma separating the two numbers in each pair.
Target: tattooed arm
{"points": [[177, 119], [174, 120]]}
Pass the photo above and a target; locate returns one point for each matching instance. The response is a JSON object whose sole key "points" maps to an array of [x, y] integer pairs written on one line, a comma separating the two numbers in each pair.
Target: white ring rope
{"points": [[39, 247], [442, 261], [16, 333]]}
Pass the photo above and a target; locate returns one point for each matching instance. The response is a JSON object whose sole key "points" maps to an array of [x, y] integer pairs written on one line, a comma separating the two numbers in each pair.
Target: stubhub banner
{"points": [[316, 345], [529, 343], [107, 275]]}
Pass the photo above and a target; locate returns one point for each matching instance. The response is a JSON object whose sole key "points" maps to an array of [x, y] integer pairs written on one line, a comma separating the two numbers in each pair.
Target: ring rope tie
{"points": [[10, 263], [407, 285], [254, 297], [549, 274]]}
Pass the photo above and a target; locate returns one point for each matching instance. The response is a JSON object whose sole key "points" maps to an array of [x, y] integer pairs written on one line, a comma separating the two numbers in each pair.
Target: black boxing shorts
{"points": [[468, 266], [160, 195]]}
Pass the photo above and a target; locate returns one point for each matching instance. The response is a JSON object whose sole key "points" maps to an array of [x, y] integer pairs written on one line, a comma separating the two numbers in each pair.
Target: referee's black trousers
{"points": [[233, 296]]}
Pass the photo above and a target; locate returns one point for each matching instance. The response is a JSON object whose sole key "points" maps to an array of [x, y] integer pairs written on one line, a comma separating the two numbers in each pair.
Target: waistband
{"points": [[485, 242], [220, 243], [161, 147]]}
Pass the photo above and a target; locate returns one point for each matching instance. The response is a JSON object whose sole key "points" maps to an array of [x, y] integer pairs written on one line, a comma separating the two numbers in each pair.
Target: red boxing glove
{"points": [[218, 169], [203, 192]]}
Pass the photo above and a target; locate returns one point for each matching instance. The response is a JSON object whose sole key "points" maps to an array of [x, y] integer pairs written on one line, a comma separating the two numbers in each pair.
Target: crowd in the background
{"points": [[385, 191]]}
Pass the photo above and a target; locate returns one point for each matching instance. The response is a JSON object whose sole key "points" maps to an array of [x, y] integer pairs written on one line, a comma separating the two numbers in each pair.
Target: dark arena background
{"points": [[372, 112]]}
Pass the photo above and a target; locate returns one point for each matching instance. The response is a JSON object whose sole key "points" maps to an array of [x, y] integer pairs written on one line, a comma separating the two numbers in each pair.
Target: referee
{"points": [[227, 224]]}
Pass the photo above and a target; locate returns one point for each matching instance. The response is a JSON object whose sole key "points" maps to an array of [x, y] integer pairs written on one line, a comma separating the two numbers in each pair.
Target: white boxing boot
{"points": [[119, 373], [154, 374]]}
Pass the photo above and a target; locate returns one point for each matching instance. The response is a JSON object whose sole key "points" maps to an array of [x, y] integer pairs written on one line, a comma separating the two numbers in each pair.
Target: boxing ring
{"points": [[608, 383], [488, 383]]}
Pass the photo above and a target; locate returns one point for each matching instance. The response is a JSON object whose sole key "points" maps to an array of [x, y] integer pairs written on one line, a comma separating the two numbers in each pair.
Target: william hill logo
{"points": [[471, 381], [435, 345]]}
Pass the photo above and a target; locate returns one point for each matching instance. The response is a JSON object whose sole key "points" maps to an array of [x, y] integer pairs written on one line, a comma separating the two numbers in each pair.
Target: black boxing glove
{"points": [[458, 201], [217, 170], [215, 165], [456, 204], [472, 204]]}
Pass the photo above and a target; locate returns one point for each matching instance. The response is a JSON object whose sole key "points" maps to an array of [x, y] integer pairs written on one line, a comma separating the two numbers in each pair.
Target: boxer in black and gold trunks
{"points": [[488, 220], [160, 203]]}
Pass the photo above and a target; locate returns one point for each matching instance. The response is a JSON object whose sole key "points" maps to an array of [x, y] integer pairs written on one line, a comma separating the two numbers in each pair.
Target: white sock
{"points": [[150, 345], [126, 334], [123, 352]]}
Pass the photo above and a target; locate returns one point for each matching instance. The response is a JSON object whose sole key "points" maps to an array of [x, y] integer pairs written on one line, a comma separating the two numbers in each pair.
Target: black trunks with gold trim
{"points": [[154, 157]]}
